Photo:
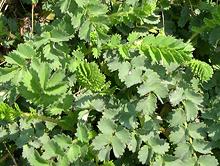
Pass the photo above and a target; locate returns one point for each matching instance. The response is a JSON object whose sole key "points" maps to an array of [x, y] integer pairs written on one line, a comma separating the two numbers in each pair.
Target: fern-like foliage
{"points": [[8, 113], [166, 49], [201, 69], [90, 77]]}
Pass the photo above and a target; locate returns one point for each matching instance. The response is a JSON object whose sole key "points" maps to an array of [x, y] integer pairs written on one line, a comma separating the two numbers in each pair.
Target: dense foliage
{"points": [[109, 82]]}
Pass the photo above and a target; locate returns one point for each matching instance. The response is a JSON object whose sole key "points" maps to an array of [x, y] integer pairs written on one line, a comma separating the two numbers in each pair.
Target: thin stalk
{"points": [[193, 36], [13, 159], [163, 20], [32, 19]]}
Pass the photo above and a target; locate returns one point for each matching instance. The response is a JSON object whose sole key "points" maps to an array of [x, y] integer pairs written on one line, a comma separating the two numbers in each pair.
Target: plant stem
{"points": [[15, 163], [193, 36], [32, 19]]}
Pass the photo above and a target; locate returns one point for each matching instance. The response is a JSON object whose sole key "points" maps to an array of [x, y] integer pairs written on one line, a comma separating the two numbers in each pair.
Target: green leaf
{"points": [[84, 31], [158, 145], [7, 74], [43, 71], [14, 58], [26, 51], [66, 5], [124, 70], [132, 37], [104, 154], [62, 140], [33, 156], [73, 153], [177, 135], [124, 51], [197, 130], [178, 117], [183, 150], [96, 9], [201, 69], [191, 110], [153, 84], [106, 126], [205, 160], [193, 97], [201, 146], [82, 133], [166, 49], [115, 41], [89, 76], [148, 104], [132, 145], [143, 154], [118, 146], [133, 77], [123, 134], [176, 96], [100, 141], [55, 79]]}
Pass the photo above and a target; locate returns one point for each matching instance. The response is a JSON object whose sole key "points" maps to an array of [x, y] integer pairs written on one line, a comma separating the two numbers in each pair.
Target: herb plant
{"points": [[111, 83]]}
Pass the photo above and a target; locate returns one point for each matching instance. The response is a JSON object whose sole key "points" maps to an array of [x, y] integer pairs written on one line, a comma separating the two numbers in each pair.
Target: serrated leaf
{"points": [[73, 153], [132, 145], [51, 149], [7, 74], [123, 134], [133, 77], [176, 96], [178, 117], [201, 69], [82, 133], [106, 126], [159, 145], [26, 51], [177, 135], [118, 146], [128, 117], [97, 9], [197, 130], [115, 41], [207, 160], [55, 79], [100, 141], [153, 84], [124, 70], [143, 154], [170, 50], [132, 37], [148, 105], [193, 97], [104, 154], [201, 146], [124, 51], [84, 31], [62, 140], [89, 76], [183, 150], [15, 58], [191, 110], [33, 156], [66, 5]]}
